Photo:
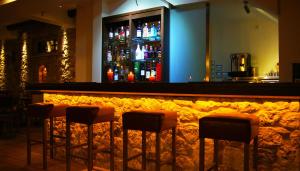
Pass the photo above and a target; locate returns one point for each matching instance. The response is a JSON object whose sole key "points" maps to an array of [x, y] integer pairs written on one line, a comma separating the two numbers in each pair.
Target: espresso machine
{"points": [[240, 65]]}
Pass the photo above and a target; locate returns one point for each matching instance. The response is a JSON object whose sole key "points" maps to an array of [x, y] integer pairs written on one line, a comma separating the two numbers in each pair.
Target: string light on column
{"points": [[2, 66], [66, 74], [24, 62]]}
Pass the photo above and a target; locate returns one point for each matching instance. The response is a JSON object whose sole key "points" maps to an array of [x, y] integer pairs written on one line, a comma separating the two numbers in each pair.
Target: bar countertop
{"points": [[218, 89]]}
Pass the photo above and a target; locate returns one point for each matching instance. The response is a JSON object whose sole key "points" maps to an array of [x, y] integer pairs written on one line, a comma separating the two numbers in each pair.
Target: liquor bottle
{"points": [[122, 56], [116, 73], [127, 34], [117, 34], [153, 32], [159, 56], [150, 53], [153, 68], [145, 31], [139, 30], [127, 54], [122, 73], [148, 70], [110, 34], [143, 53], [158, 31], [138, 52], [146, 52], [122, 35], [143, 76], [155, 52], [158, 64], [158, 71], [136, 70], [109, 55]]}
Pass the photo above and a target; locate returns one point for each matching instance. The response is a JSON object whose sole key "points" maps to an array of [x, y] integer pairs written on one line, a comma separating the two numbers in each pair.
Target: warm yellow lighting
{"points": [[66, 74], [24, 62], [3, 2], [2, 67]]}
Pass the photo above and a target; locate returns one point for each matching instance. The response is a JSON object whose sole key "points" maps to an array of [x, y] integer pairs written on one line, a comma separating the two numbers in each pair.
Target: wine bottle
{"points": [[122, 35], [139, 30], [109, 55], [145, 31], [136, 70], [116, 34], [138, 52], [142, 66], [110, 34], [143, 53], [153, 32], [116, 74], [158, 31], [146, 52], [153, 69], [148, 70]]}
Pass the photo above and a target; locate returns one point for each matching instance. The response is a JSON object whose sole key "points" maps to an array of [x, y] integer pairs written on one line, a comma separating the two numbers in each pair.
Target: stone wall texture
{"points": [[279, 133]]}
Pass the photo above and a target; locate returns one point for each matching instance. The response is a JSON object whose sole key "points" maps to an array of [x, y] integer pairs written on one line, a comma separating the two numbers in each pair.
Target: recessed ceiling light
{"points": [[2, 2]]}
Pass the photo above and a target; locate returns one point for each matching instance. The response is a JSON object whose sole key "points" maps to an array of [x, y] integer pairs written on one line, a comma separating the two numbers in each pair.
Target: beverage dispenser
{"points": [[240, 65]]}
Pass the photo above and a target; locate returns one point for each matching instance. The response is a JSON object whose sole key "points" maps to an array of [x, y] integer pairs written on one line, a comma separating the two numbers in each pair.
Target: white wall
{"points": [[124, 6], [234, 31]]}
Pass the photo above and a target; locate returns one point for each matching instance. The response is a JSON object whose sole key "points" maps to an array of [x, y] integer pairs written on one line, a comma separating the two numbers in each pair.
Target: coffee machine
{"points": [[240, 65]]}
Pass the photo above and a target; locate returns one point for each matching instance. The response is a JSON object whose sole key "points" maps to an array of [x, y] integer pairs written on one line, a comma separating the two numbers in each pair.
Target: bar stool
{"points": [[44, 111], [152, 121], [89, 115], [232, 127]]}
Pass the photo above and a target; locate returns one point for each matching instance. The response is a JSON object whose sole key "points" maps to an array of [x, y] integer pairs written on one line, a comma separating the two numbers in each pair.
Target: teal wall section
{"points": [[187, 43]]}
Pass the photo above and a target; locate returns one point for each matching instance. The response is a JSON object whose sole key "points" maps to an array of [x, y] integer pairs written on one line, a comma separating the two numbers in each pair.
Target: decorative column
{"points": [[24, 61], [65, 61], [2, 66]]}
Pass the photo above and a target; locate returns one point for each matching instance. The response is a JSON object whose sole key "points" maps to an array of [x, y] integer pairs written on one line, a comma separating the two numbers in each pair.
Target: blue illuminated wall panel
{"points": [[187, 43]]}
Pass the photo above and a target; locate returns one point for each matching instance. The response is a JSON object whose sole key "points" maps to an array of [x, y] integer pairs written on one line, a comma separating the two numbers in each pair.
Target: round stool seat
{"points": [[90, 114], [234, 126], [150, 120]]}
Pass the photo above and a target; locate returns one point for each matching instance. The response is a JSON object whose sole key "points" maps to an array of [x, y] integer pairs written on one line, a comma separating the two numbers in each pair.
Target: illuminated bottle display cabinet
{"points": [[135, 47]]}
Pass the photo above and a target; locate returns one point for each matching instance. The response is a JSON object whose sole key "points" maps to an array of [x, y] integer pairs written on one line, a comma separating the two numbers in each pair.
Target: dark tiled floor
{"points": [[13, 157]]}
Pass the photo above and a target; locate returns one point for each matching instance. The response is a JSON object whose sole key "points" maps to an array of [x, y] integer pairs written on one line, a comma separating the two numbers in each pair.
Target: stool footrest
{"points": [[59, 136], [35, 142], [103, 151], [79, 145], [79, 157], [133, 169], [213, 167], [134, 156]]}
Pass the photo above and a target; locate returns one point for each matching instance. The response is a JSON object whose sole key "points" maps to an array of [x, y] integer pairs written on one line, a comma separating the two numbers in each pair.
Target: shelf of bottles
{"points": [[147, 55], [116, 61]]}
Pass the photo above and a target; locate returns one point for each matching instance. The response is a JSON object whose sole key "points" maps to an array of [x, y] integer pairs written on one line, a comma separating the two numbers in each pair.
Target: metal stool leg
{"points": [[157, 151], [112, 147], [144, 150], [28, 140], [51, 138], [68, 145], [44, 134], [90, 147], [246, 156], [125, 150], [201, 152], [216, 154], [255, 148], [173, 149]]}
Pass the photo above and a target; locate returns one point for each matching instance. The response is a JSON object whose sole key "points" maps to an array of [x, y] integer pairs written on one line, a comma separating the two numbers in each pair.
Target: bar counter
{"points": [[276, 104]]}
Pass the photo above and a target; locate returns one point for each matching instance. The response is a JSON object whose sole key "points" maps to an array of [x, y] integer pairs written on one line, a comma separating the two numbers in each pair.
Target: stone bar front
{"points": [[279, 133]]}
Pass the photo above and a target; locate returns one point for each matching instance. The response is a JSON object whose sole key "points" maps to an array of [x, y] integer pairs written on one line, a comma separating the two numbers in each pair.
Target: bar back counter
{"points": [[276, 105]]}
